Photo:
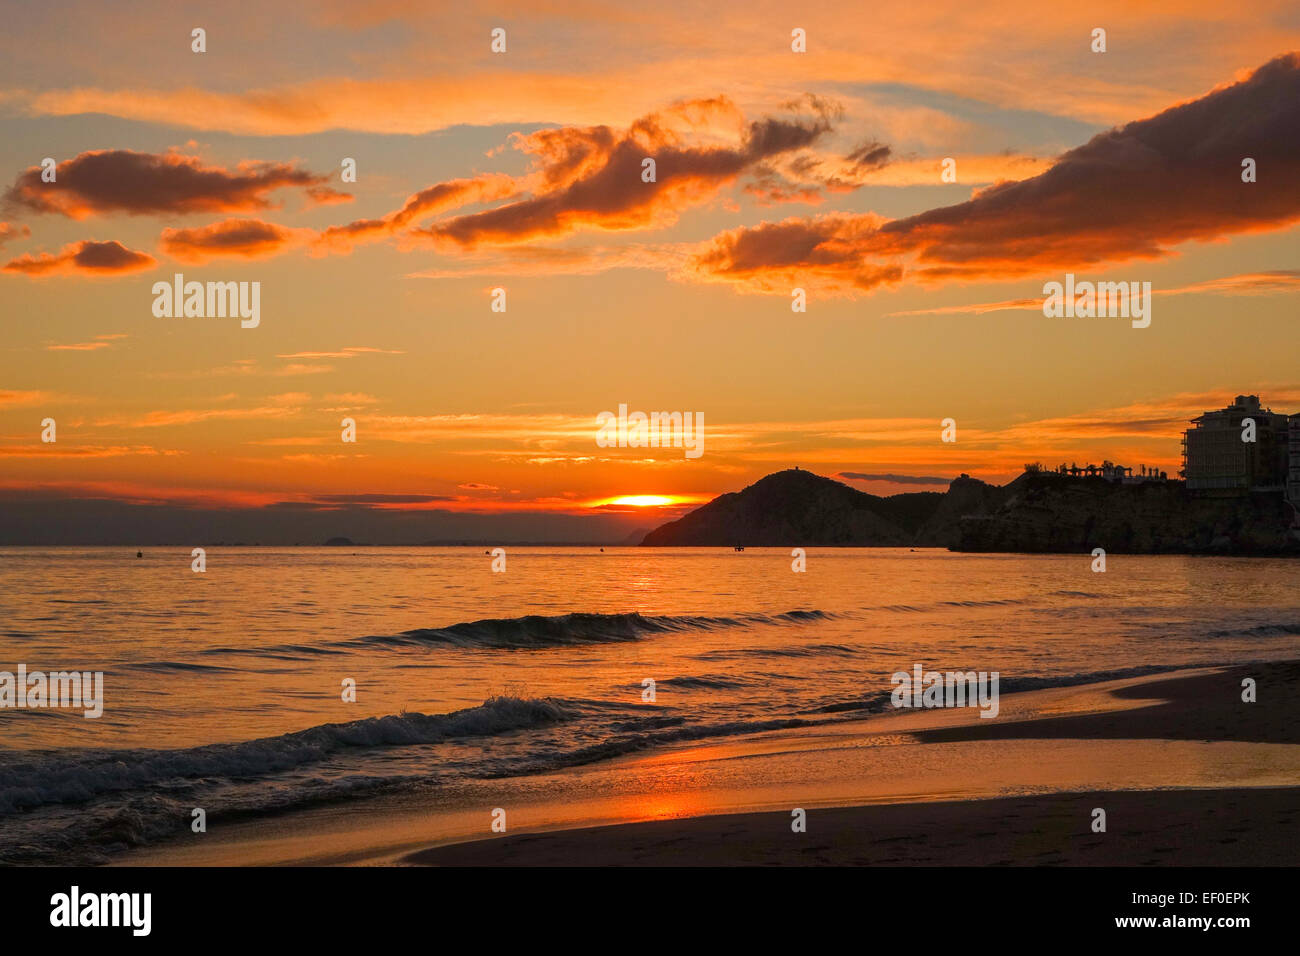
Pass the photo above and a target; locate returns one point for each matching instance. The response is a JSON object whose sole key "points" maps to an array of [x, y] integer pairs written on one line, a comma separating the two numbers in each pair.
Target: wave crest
{"points": [[567, 630]]}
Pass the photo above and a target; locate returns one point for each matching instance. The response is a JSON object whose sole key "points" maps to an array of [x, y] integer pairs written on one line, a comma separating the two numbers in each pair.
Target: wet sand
{"points": [[1234, 826], [1240, 827]]}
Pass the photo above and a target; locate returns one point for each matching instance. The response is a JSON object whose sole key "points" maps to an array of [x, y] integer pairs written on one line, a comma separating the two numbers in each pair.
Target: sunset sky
{"points": [[523, 170]]}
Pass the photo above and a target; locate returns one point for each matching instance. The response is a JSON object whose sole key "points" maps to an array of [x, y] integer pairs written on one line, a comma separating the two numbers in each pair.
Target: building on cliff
{"points": [[1107, 470], [1217, 460]]}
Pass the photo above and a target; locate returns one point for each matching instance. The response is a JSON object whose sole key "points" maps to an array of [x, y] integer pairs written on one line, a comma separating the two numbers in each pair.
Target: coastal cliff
{"points": [[1053, 513], [1037, 512]]}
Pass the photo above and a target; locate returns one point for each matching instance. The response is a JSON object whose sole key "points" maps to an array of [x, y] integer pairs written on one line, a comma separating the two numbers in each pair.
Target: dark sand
{"points": [[1245, 826], [1200, 707]]}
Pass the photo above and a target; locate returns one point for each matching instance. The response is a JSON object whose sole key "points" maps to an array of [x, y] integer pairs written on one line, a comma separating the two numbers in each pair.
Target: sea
{"points": [[281, 678]]}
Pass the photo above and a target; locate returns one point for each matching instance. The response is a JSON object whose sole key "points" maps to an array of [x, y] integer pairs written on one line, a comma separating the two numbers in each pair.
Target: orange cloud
{"points": [[82, 451], [161, 419], [244, 238], [427, 202], [780, 255], [302, 368], [328, 195], [121, 180], [100, 342], [88, 256], [13, 398], [349, 351], [9, 231], [1133, 192], [1275, 282], [592, 177]]}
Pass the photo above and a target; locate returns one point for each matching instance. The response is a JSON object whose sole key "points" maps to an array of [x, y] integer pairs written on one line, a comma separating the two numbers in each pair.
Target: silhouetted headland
{"points": [[1040, 511]]}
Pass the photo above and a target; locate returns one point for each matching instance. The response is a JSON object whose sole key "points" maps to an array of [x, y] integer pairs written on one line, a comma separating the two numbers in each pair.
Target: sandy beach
{"points": [[1233, 826], [1187, 773], [1237, 827]]}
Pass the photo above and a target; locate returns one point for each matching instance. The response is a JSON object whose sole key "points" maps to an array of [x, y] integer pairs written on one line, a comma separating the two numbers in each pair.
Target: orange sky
{"points": [[524, 171]]}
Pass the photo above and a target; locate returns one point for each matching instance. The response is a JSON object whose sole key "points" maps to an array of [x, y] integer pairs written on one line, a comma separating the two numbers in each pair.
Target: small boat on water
{"points": [[740, 547]]}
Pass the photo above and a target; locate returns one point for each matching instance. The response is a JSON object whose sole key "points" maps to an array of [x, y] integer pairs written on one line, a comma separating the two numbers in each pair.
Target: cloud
{"points": [[402, 106], [303, 368], [437, 198], [328, 195], [88, 257], [12, 398], [795, 251], [380, 499], [553, 261], [1133, 192], [976, 308], [350, 351], [121, 180], [602, 61], [99, 342], [162, 419], [1276, 282], [9, 231], [1247, 283], [238, 367], [591, 177], [870, 155], [895, 479], [81, 451], [243, 238]]}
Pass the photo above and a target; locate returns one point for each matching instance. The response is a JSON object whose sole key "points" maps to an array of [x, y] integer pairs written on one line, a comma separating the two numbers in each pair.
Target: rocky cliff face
{"points": [[966, 496], [1048, 513]]}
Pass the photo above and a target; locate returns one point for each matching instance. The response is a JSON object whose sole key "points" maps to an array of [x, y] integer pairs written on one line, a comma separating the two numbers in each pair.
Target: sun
{"points": [[642, 501]]}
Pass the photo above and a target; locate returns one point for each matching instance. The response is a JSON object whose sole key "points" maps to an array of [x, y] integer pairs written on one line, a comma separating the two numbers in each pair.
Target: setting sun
{"points": [[642, 501]]}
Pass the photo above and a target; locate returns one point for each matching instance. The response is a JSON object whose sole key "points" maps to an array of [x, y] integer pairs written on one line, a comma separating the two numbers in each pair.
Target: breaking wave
{"points": [[33, 780], [568, 630]]}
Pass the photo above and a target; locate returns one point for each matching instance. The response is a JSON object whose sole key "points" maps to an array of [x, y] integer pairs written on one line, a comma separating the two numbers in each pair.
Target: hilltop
{"points": [[797, 507], [1037, 512]]}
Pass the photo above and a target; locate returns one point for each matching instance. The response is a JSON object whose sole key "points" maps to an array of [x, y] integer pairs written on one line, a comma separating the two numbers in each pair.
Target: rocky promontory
{"points": [[1037, 512], [1055, 513]]}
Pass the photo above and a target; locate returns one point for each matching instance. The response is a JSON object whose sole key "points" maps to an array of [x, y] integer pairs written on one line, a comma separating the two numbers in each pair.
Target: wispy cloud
{"points": [[98, 343], [1277, 282]]}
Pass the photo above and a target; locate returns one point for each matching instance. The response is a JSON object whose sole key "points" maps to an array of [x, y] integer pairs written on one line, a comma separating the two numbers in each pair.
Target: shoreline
{"points": [[1228, 826], [945, 771]]}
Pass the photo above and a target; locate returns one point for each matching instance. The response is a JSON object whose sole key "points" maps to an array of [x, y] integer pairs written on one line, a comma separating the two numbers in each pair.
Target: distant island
{"points": [[1040, 511]]}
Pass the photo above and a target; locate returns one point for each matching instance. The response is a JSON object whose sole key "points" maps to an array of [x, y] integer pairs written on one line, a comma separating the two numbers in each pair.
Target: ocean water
{"points": [[224, 689]]}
